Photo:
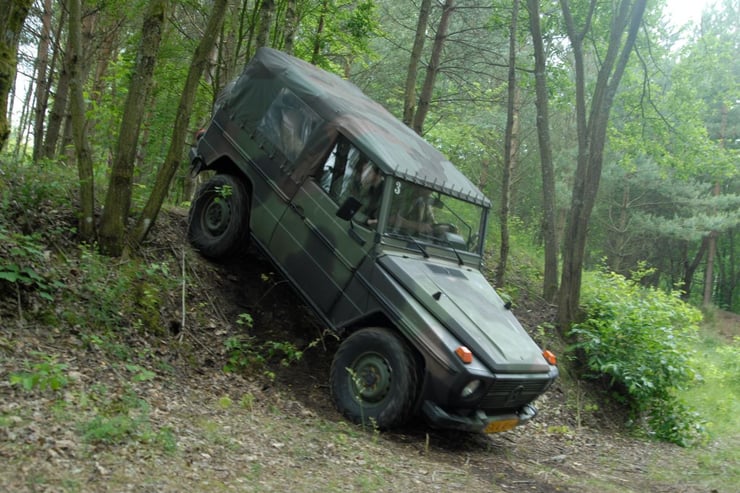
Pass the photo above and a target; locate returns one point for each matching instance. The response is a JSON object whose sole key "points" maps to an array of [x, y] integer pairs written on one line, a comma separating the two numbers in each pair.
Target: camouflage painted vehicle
{"points": [[382, 236]]}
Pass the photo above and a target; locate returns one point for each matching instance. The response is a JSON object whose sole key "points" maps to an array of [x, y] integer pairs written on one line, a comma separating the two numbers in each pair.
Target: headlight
{"points": [[470, 389]]}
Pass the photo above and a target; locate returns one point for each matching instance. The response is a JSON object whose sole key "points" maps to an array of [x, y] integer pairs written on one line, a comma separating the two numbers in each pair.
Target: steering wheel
{"points": [[439, 229]]}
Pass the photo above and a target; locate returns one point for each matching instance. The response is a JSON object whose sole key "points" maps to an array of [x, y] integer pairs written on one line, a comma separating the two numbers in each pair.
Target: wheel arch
{"points": [[225, 165]]}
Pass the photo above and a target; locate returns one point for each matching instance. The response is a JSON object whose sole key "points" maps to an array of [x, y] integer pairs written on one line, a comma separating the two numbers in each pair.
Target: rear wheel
{"points": [[374, 379], [219, 218]]}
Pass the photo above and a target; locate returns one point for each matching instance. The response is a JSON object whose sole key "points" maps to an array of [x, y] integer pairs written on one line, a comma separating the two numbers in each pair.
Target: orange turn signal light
{"points": [[550, 357], [464, 354]]}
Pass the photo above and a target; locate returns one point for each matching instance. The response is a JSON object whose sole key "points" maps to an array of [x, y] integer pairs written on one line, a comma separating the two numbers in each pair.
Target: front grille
{"points": [[510, 395]]}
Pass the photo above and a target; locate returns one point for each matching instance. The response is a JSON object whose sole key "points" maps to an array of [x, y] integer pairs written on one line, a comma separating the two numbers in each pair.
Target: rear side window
{"points": [[288, 124]]}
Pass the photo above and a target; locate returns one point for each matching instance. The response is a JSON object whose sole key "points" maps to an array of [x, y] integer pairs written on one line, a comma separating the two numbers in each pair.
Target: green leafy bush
{"points": [[639, 340], [48, 374], [120, 293], [245, 353], [23, 264]]}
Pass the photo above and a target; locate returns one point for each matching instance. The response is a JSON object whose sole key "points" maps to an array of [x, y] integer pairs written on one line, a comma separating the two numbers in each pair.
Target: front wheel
{"points": [[374, 379], [219, 218]]}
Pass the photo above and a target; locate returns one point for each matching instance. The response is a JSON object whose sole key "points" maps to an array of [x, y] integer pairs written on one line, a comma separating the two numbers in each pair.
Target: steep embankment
{"points": [[139, 401]]}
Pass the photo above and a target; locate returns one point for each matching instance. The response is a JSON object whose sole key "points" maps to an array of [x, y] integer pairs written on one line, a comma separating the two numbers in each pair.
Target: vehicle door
{"points": [[281, 136], [318, 250]]}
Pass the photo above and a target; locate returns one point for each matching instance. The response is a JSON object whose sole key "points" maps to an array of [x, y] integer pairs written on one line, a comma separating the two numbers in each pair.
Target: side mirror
{"points": [[349, 208]]}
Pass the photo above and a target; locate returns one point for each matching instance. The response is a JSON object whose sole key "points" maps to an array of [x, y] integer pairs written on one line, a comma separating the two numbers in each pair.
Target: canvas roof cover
{"points": [[393, 146]]}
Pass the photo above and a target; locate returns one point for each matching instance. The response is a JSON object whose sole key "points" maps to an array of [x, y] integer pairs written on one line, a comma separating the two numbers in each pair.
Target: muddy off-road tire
{"points": [[218, 225], [374, 379]]}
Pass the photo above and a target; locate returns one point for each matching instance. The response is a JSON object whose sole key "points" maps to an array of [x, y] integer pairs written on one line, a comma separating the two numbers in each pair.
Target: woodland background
{"points": [[596, 119], [606, 137]]}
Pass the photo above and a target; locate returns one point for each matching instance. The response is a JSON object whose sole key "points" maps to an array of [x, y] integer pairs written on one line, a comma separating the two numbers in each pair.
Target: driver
{"points": [[417, 217], [366, 185]]}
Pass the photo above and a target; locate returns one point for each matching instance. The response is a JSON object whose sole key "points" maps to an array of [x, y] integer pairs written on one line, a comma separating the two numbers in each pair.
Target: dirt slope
{"points": [[171, 420]]}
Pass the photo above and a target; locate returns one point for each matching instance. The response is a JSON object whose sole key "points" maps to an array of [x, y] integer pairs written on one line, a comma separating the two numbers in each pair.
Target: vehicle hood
{"points": [[465, 303]]}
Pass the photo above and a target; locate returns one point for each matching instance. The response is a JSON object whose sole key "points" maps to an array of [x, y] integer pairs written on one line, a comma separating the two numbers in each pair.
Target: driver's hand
{"points": [[425, 228]]}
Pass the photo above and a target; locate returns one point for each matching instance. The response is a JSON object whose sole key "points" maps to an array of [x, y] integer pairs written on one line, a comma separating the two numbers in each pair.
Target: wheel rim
{"points": [[216, 216], [371, 378]]}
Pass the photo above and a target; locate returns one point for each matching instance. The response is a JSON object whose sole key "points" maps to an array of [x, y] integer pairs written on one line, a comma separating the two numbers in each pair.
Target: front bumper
{"points": [[479, 421]]}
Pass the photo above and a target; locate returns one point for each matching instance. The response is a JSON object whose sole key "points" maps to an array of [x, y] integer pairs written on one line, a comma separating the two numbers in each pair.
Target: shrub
{"points": [[639, 340], [23, 263], [48, 374]]}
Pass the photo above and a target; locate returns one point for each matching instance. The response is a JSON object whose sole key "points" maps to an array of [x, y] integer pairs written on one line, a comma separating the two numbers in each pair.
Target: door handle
{"points": [[298, 210]]}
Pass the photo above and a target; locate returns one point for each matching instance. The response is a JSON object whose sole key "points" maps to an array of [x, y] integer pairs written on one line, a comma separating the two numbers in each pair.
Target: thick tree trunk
{"points": [[118, 199], [12, 18], [409, 104], [550, 281], [591, 140], [690, 269], [87, 49], [77, 107], [174, 154], [511, 148], [291, 24], [267, 11], [425, 97]]}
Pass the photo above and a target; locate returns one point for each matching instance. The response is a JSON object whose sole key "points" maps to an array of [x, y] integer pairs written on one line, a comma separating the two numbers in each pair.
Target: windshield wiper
{"points": [[459, 258], [449, 245], [411, 239], [419, 246]]}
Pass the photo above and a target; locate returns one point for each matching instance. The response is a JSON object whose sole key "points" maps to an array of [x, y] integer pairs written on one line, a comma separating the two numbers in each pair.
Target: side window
{"points": [[340, 170], [288, 123], [347, 172]]}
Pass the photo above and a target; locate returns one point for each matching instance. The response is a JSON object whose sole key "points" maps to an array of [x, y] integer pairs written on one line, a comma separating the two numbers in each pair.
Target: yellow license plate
{"points": [[499, 426]]}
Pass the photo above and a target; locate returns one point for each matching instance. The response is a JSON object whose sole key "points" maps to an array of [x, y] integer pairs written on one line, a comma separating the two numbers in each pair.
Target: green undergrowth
{"points": [[640, 342], [113, 413]]}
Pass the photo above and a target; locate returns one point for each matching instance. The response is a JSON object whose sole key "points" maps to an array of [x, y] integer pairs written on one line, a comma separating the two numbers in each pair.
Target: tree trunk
{"points": [[291, 24], [21, 141], [709, 277], [425, 97], [61, 98], [511, 147], [711, 254], [108, 50], [42, 89], [550, 281], [77, 107], [317, 42], [732, 277], [12, 18], [267, 10], [118, 199], [409, 99], [591, 139], [690, 269], [174, 153]]}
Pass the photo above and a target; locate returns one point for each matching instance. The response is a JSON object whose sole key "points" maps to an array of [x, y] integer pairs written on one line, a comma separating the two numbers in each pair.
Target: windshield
{"points": [[432, 217]]}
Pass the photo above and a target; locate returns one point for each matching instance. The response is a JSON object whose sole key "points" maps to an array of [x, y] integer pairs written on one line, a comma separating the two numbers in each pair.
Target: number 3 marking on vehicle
{"points": [[397, 190]]}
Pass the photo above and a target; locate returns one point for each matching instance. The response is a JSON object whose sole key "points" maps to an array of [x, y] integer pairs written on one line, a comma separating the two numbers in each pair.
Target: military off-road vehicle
{"points": [[380, 234]]}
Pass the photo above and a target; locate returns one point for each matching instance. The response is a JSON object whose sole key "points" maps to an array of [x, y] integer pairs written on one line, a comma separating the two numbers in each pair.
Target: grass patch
{"points": [[717, 398], [715, 464]]}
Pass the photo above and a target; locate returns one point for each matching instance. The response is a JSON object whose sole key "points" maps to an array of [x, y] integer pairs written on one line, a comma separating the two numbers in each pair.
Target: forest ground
{"points": [[154, 410]]}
